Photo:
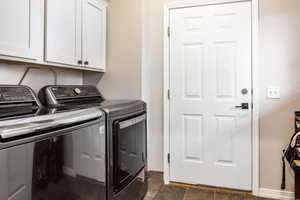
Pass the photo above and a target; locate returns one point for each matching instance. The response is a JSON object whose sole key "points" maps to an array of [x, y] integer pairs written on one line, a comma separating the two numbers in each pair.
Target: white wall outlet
{"points": [[273, 92]]}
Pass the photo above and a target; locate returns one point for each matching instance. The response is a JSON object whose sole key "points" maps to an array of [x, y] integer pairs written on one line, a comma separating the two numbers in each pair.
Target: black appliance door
{"points": [[129, 149], [65, 167]]}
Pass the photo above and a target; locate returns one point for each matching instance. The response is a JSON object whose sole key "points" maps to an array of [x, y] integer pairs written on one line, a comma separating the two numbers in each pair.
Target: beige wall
{"points": [[123, 77], [280, 66], [153, 79]]}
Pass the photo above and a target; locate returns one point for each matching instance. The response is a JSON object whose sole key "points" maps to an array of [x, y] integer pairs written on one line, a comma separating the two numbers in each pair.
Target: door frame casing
{"points": [[255, 84]]}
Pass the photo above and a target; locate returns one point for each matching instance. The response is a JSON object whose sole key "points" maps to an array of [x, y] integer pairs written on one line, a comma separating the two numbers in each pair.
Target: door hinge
{"points": [[252, 106], [168, 157], [169, 94], [169, 31]]}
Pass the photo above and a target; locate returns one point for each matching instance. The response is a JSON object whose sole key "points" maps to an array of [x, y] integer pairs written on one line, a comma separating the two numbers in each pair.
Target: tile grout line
{"points": [[185, 192], [214, 195], [160, 188]]}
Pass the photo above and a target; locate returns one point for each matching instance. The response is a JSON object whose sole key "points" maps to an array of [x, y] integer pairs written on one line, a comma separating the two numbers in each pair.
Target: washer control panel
{"points": [[9, 94], [54, 96], [62, 92]]}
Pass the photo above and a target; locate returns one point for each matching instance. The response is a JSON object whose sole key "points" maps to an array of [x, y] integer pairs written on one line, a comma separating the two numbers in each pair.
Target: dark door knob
{"points": [[79, 62], [86, 62], [243, 106]]}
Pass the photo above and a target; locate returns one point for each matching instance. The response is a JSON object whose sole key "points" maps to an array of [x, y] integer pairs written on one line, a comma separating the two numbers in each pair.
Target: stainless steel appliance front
{"points": [[56, 166], [127, 154]]}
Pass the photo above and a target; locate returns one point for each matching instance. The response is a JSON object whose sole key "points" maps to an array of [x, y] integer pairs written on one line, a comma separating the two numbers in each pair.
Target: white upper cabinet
{"points": [[63, 32], [76, 33], [20, 23], [94, 34]]}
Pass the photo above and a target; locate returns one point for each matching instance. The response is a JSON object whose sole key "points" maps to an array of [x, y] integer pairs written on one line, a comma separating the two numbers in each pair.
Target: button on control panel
{"points": [[77, 91]]}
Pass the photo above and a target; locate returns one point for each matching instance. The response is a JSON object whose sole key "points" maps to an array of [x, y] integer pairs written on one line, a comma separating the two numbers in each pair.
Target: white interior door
{"points": [[94, 34], [210, 74]]}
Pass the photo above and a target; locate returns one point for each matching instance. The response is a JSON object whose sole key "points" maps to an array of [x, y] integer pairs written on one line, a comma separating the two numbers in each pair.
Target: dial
{"points": [[77, 91]]}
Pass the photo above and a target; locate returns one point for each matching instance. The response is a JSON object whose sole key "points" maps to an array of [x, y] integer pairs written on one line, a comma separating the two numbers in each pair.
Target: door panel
{"points": [[210, 63], [20, 28], [193, 137], [63, 31], [90, 153], [225, 134], [226, 69], [193, 62], [94, 34]]}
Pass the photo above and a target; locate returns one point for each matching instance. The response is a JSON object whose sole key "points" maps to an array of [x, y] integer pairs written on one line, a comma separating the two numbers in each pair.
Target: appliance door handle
{"points": [[33, 127], [243, 106], [16, 133], [131, 122]]}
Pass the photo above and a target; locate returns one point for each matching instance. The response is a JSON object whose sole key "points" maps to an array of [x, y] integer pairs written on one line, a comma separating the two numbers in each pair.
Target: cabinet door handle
{"points": [[79, 62], [86, 62]]}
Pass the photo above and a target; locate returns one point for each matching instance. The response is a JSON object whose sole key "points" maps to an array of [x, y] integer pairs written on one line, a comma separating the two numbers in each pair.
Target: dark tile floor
{"points": [[158, 191]]}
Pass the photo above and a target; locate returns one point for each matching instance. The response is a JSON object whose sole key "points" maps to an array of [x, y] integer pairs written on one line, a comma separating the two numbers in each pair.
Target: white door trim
{"points": [[255, 84]]}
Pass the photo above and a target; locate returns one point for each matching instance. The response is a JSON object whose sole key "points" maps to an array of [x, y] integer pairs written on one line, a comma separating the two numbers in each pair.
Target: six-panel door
{"points": [[210, 65]]}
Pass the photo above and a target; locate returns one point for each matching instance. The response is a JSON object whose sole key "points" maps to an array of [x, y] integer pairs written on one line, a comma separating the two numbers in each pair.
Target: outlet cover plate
{"points": [[273, 92]]}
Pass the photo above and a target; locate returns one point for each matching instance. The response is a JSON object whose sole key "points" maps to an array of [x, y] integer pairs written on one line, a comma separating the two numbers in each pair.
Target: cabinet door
{"points": [[94, 34], [20, 23], [63, 31]]}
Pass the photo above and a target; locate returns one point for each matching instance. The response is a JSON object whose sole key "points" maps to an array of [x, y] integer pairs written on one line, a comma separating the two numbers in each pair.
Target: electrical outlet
{"points": [[273, 92]]}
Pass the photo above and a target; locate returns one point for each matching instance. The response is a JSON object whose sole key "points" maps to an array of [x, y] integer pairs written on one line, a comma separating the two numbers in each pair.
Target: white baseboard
{"points": [[276, 194], [69, 171]]}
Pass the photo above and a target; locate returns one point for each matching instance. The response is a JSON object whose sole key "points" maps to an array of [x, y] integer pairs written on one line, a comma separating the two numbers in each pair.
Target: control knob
{"points": [[77, 91]]}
